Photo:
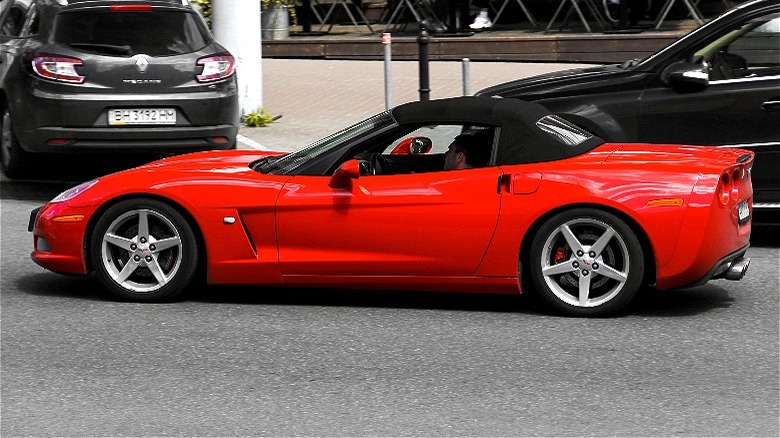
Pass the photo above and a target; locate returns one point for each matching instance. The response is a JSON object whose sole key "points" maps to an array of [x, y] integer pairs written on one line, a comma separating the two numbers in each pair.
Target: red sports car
{"points": [[465, 194]]}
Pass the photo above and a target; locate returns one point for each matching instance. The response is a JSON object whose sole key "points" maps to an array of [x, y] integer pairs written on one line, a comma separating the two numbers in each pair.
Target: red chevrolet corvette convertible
{"points": [[464, 194]]}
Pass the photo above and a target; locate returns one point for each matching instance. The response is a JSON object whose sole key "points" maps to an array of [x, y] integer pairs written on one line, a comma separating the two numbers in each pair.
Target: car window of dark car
{"points": [[749, 50], [153, 33], [13, 22]]}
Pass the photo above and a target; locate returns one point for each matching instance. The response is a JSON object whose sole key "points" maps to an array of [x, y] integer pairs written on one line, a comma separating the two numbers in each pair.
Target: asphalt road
{"points": [[251, 362]]}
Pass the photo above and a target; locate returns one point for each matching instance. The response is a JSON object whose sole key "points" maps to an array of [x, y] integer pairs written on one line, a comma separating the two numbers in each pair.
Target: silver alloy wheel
{"points": [[585, 268], [141, 250]]}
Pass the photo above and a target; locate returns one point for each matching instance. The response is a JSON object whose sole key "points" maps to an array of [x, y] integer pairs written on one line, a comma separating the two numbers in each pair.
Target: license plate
{"points": [[142, 116], [743, 212]]}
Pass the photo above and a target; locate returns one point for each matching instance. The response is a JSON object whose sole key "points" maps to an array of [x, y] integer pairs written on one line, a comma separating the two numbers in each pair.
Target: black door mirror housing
{"points": [[686, 77]]}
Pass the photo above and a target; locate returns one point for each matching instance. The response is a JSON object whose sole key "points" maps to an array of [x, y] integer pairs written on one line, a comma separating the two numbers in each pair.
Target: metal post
{"points": [[387, 41], [237, 27], [422, 41], [466, 64]]}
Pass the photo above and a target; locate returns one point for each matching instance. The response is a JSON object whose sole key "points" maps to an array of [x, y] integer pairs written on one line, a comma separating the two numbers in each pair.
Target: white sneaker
{"points": [[481, 23]]}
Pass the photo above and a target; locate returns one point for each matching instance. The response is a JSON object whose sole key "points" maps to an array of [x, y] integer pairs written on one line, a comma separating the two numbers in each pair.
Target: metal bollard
{"points": [[386, 43], [422, 42], [466, 67]]}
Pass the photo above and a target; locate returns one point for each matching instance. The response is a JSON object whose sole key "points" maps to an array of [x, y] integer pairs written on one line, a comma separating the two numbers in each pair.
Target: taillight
{"points": [[57, 68], [216, 67], [724, 189], [735, 181], [130, 8]]}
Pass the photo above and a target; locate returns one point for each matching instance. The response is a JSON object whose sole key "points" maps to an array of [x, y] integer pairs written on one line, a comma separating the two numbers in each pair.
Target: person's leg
{"points": [[482, 20]]}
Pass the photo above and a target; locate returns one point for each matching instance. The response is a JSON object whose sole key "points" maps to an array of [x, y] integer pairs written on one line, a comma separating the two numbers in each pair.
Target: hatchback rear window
{"points": [[153, 33]]}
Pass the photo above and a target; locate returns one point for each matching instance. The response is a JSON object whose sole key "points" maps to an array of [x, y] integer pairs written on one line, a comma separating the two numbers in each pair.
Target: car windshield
{"points": [[153, 33], [288, 163]]}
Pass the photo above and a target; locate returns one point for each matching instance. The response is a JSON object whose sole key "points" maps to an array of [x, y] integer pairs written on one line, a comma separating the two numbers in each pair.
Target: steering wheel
{"points": [[378, 164]]}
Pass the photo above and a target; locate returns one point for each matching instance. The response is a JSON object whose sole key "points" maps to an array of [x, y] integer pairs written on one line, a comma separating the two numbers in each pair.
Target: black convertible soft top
{"points": [[522, 139]]}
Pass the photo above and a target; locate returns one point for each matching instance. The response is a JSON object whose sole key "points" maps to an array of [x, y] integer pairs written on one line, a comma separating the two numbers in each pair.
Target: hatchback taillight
{"points": [[57, 68], [216, 67], [130, 8]]}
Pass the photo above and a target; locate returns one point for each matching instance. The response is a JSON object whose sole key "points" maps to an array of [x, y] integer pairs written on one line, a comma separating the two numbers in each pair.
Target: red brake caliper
{"points": [[560, 255]]}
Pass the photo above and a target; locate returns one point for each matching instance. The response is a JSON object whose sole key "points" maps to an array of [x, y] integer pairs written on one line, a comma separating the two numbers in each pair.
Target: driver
{"points": [[465, 152]]}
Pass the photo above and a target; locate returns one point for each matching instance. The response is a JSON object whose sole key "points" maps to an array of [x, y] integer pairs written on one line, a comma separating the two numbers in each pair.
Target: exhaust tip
{"points": [[737, 269]]}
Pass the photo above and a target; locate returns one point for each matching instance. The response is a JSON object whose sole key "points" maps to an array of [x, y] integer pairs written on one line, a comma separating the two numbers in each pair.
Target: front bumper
{"points": [[58, 237]]}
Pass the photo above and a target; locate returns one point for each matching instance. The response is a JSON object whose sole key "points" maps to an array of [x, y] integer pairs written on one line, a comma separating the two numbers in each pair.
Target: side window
{"points": [[14, 20], [431, 149], [440, 135], [750, 50], [760, 48]]}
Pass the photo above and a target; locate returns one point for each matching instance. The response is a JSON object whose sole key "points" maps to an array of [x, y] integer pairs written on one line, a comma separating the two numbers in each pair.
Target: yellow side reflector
{"points": [[665, 202], [69, 218]]}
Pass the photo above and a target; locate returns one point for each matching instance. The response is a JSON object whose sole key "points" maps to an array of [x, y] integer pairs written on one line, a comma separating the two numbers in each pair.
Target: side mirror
{"points": [[421, 145], [343, 176], [413, 146], [686, 77]]}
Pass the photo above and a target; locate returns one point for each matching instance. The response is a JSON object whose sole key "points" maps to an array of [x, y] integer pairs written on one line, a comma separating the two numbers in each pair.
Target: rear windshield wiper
{"points": [[106, 48]]}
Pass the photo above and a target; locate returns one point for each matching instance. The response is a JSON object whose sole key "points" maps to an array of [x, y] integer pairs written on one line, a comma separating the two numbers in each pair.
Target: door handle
{"points": [[504, 183], [771, 105]]}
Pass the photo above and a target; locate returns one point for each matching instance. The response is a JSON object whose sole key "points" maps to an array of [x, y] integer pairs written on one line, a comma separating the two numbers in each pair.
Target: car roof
{"points": [[522, 139]]}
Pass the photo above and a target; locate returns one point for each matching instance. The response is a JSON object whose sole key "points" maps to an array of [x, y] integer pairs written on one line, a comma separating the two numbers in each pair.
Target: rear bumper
{"points": [[53, 121], [723, 268], [145, 139]]}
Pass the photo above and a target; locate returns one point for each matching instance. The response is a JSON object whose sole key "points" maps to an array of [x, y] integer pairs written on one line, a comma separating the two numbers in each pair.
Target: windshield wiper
{"points": [[106, 48], [260, 164], [630, 63]]}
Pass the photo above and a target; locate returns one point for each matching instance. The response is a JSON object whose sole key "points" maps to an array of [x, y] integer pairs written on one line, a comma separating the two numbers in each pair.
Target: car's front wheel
{"points": [[12, 156], [144, 250], [586, 262]]}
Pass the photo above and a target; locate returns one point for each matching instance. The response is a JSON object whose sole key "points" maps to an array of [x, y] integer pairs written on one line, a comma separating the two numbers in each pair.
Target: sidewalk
{"points": [[318, 97]]}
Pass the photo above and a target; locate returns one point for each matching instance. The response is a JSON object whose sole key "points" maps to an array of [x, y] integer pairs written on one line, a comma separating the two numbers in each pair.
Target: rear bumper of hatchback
{"points": [[61, 122], [141, 139]]}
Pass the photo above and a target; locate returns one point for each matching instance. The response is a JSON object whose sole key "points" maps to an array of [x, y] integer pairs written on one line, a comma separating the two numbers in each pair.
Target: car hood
{"points": [[185, 178], [567, 82], [235, 161]]}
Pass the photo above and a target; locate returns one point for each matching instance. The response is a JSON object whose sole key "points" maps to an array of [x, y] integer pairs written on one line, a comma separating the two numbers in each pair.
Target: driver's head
{"points": [[466, 151]]}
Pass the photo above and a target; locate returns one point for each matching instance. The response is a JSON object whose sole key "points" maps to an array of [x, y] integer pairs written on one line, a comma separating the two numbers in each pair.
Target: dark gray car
{"points": [[718, 85], [89, 76]]}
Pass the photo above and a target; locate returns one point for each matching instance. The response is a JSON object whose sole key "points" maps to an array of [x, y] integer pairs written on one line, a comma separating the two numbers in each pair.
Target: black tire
{"points": [[151, 265], [610, 267], [12, 157]]}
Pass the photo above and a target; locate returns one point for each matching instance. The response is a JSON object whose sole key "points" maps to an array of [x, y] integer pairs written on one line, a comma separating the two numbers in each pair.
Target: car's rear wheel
{"points": [[12, 157], [144, 250], [586, 262]]}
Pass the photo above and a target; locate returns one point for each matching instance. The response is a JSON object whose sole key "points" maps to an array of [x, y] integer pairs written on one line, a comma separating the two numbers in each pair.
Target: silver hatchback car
{"points": [[118, 76]]}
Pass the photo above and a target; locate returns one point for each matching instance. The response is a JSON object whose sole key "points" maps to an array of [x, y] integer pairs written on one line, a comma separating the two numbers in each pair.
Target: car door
{"points": [[430, 223], [740, 107]]}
